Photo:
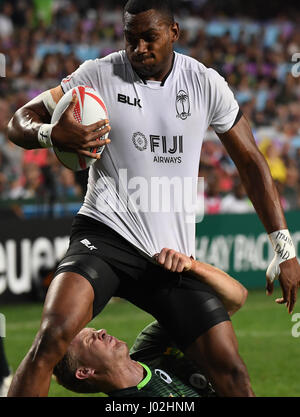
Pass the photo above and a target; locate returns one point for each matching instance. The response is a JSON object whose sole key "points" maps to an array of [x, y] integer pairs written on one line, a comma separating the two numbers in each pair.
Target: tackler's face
{"points": [[97, 349], [149, 42]]}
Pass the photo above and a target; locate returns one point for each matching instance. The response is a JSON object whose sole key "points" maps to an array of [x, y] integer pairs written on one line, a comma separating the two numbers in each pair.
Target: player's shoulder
{"points": [[115, 58], [187, 63]]}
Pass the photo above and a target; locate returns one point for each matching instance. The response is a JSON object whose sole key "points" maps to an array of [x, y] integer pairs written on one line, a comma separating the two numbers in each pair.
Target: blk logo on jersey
{"points": [[127, 100], [183, 105], [161, 146]]}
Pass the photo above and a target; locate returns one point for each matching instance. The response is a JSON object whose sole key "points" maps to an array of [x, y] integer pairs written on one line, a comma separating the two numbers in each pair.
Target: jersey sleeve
{"points": [[150, 343], [223, 107], [84, 75]]}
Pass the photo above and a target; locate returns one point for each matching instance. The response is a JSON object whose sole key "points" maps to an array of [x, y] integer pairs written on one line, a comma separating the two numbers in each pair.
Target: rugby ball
{"points": [[89, 109]]}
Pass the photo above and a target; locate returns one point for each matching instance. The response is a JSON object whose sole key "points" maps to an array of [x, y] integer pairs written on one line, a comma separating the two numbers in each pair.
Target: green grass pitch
{"points": [[263, 328]]}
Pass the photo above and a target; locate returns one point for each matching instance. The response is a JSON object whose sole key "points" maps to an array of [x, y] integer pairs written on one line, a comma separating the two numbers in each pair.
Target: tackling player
{"points": [[160, 104], [98, 362]]}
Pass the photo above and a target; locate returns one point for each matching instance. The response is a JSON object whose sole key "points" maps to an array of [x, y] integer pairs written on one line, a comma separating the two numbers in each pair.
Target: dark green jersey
{"points": [[167, 372]]}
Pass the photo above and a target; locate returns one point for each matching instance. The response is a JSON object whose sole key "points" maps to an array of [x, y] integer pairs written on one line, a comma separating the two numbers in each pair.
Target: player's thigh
{"points": [[82, 286], [185, 308], [216, 349], [216, 353]]}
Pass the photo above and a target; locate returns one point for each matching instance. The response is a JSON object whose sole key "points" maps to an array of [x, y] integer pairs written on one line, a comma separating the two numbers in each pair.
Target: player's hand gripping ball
{"points": [[89, 109]]}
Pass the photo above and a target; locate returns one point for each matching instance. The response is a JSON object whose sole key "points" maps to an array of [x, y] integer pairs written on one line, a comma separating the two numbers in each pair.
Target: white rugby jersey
{"points": [[144, 185]]}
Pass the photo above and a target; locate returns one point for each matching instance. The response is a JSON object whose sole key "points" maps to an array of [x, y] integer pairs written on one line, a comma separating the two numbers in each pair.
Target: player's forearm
{"points": [[232, 293], [24, 126]]}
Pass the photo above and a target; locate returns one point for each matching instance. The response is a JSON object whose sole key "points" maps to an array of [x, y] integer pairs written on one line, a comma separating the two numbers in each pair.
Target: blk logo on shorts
{"points": [[183, 105], [88, 244]]}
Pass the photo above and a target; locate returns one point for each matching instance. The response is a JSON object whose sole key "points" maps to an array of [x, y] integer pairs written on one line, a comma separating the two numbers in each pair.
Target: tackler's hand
{"points": [[173, 261]]}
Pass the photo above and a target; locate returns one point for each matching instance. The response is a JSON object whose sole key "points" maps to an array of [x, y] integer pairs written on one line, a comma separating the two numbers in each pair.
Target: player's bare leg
{"points": [[216, 351], [67, 309]]}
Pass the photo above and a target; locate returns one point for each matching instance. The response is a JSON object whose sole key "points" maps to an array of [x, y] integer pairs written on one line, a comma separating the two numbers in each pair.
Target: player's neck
{"points": [[163, 73], [128, 375]]}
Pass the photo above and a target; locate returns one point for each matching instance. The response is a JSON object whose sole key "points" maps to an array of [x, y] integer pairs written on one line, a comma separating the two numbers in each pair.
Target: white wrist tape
{"points": [[48, 101], [284, 250], [44, 136], [283, 245]]}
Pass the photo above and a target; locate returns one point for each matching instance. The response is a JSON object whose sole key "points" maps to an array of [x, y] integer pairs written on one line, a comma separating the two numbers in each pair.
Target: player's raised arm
{"points": [[257, 179], [31, 127], [232, 293]]}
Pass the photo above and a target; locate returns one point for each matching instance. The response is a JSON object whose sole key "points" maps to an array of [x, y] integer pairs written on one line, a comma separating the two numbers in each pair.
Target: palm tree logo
{"points": [[182, 105]]}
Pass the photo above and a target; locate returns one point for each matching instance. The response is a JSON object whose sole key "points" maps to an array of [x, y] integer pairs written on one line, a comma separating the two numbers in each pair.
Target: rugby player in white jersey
{"points": [[160, 104]]}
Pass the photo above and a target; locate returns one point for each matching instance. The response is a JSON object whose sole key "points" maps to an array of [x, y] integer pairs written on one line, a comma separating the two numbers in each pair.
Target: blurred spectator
{"points": [[43, 11], [6, 24], [67, 186], [271, 151], [31, 184], [236, 201], [291, 187], [212, 201]]}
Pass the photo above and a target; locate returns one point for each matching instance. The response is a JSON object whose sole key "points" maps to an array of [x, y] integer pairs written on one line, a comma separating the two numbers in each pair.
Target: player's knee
{"points": [[52, 340], [232, 379], [237, 369], [237, 381], [233, 369]]}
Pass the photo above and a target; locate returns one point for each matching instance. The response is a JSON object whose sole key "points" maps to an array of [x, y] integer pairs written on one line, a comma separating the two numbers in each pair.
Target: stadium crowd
{"points": [[43, 41]]}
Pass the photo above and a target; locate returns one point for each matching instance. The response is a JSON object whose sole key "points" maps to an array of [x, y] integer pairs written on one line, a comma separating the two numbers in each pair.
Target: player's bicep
{"points": [[57, 93], [44, 104], [51, 98], [223, 107], [240, 143]]}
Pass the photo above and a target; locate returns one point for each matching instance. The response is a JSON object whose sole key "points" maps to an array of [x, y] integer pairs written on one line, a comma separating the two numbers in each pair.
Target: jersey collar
{"points": [[147, 377], [131, 390], [168, 73]]}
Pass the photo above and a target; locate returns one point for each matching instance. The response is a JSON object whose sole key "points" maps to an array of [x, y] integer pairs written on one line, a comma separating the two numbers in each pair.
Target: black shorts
{"points": [[183, 305]]}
